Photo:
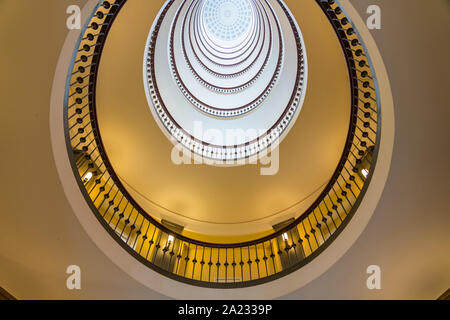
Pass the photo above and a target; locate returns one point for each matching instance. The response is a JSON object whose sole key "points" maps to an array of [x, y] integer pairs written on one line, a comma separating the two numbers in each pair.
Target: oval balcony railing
{"points": [[219, 265]]}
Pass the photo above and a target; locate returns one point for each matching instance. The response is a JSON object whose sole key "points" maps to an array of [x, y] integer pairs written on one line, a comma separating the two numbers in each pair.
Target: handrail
{"points": [[206, 264]]}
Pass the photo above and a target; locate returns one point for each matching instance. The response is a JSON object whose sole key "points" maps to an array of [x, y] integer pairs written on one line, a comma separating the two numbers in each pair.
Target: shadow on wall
{"points": [[5, 295]]}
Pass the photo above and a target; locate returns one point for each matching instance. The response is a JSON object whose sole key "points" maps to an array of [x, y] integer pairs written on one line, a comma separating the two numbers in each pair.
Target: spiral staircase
{"points": [[227, 64]]}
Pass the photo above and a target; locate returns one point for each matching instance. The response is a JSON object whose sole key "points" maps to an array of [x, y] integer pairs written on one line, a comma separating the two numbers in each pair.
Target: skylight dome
{"points": [[228, 22], [225, 79]]}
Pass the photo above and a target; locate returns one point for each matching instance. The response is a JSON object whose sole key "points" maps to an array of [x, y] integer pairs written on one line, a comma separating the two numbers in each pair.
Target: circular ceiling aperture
{"points": [[227, 20], [233, 82]]}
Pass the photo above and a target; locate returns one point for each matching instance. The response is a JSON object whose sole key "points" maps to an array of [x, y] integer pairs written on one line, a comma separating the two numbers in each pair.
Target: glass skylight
{"points": [[228, 20]]}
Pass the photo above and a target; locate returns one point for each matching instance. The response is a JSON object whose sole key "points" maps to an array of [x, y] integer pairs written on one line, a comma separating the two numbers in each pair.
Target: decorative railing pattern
{"points": [[213, 264]]}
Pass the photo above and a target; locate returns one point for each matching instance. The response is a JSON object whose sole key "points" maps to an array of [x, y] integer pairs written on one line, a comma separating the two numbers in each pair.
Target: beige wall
{"points": [[408, 235]]}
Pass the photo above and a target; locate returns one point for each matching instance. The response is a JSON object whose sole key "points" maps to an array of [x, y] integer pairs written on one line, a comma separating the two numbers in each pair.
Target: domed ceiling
{"points": [[217, 66]]}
